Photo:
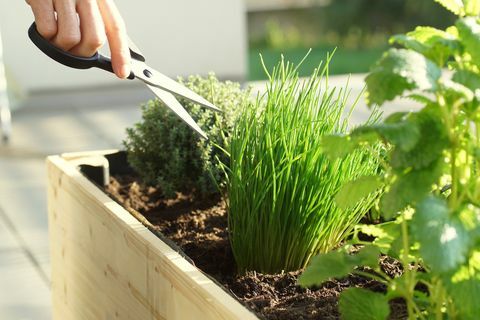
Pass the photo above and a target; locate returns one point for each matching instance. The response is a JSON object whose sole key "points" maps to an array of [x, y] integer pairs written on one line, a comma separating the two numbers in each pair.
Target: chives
{"points": [[281, 186]]}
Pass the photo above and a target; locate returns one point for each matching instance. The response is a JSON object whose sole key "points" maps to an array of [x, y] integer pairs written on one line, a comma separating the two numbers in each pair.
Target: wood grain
{"points": [[107, 265]]}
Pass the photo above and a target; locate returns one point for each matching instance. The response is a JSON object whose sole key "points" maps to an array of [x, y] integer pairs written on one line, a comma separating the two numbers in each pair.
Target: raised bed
{"points": [[108, 265]]}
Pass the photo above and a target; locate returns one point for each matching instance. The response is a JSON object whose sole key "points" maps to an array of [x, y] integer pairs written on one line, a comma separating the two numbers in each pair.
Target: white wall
{"points": [[178, 37]]}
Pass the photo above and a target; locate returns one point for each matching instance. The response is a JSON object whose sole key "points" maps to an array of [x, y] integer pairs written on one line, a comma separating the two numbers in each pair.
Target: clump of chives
{"points": [[281, 186]]}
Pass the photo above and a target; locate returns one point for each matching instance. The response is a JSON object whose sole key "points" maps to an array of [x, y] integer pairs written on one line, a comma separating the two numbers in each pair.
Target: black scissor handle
{"points": [[68, 59]]}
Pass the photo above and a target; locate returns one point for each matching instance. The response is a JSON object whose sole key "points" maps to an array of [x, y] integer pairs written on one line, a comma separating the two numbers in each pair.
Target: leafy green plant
{"points": [[170, 155], [281, 186], [432, 199]]}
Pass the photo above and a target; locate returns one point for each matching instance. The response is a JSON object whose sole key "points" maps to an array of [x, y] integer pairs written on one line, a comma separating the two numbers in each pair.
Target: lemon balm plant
{"points": [[281, 186], [432, 178]]}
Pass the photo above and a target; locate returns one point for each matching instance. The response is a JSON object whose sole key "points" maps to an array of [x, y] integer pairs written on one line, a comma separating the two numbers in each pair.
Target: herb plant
{"points": [[432, 198], [281, 186], [170, 155]]}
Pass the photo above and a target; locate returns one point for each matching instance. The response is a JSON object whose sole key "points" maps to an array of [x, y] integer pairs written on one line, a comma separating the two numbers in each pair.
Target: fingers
{"points": [[44, 17], [117, 37], [91, 27], [68, 34], [85, 33]]}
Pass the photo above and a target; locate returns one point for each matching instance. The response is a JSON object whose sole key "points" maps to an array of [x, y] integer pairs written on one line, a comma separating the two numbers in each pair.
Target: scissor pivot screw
{"points": [[147, 73]]}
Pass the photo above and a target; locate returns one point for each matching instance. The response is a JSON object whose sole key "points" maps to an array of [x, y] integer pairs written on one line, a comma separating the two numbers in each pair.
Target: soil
{"points": [[199, 228]]}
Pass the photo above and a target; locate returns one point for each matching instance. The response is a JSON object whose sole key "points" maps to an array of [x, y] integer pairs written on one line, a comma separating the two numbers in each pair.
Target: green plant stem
{"points": [[476, 190], [465, 190], [450, 119], [438, 296], [446, 114], [454, 153], [452, 311], [409, 275], [378, 277], [453, 170]]}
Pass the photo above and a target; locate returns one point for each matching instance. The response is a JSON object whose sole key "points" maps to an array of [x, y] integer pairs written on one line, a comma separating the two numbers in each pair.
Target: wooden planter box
{"points": [[107, 265]]}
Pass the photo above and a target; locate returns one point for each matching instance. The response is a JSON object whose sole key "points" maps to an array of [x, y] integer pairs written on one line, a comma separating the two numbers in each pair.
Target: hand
{"points": [[81, 27]]}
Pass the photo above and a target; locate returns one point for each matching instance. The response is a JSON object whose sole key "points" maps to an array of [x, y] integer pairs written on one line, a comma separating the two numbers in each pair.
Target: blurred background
{"points": [[55, 109], [357, 29]]}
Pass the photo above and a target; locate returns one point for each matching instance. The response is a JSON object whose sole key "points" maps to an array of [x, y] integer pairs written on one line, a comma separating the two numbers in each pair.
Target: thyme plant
{"points": [[432, 202], [168, 154], [281, 186]]}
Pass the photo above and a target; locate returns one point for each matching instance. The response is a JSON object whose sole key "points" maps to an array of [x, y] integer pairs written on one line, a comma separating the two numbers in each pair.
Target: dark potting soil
{"points": [[199, 228]]}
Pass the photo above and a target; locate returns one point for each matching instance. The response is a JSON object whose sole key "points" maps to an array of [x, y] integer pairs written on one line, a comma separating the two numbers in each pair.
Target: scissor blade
{"points": [[135, 51], [176, 107], [156, 79]]}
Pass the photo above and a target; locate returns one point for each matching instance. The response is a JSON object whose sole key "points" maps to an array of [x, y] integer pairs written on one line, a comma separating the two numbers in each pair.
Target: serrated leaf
{"points": [[452, 30], [443, 239], [409, 188], [437, 45], [353, 191], [402, 133], [467, 78], [337, 264], [455, 6], [463, 287], [400, 70], [469, 34], [409, 43], [384, 234], [396, 117], [472, 7], [456, 90], [429, 35], [358, 303], [433, 140], [420, 98], [367, 256], [465, 295], [335, 146], [324, 267]]}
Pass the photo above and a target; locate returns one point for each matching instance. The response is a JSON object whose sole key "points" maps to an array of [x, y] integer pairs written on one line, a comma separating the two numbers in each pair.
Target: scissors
{"points": [[162, 86]]}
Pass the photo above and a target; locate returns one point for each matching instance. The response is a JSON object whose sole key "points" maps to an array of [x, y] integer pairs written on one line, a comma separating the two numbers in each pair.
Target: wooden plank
{"points": [[107, 265], [78, 155]]}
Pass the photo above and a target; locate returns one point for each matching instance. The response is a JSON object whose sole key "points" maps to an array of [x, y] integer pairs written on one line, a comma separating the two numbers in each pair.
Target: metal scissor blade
{"points": [[156, 79], [176, 107], [135, 51]]}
